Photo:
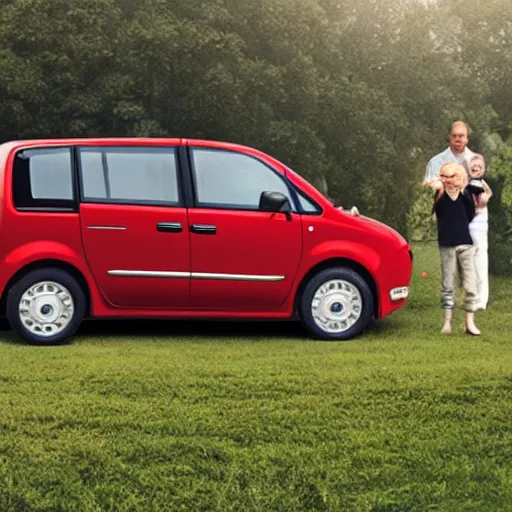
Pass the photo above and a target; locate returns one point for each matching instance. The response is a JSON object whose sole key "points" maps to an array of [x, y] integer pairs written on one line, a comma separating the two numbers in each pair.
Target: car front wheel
{"points": [[46, 306], [336, 304]]}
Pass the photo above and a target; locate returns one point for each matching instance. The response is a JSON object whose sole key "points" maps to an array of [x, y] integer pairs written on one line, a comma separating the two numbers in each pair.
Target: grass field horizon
{"points": [[207, 416]]}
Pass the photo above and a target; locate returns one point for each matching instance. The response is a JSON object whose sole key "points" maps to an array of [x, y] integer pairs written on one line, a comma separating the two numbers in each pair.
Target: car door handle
{"points": [[169, 227], [203, 229]]}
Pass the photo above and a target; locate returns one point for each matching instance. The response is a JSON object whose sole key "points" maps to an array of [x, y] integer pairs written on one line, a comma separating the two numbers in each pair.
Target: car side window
{"points": [[227, 179], [129, 175], [43, 179]]}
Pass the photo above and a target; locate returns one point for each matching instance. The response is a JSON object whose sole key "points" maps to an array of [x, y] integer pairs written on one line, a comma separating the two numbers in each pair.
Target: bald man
{"points": [[456, 152]]}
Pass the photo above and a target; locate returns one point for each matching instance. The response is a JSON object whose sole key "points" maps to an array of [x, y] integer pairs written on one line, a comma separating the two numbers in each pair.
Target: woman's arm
{"points": [[484, 197]]}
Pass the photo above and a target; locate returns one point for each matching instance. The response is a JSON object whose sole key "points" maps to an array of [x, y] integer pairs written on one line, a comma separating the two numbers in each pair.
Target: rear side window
{"points": [[43, 179], [127, 175]]}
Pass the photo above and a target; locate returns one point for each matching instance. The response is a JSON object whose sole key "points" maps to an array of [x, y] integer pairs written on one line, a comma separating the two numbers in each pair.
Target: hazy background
{"points": [[354, 95]]}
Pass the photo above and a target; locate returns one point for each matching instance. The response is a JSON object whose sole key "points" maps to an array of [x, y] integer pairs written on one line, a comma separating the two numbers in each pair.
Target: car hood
{"points": [[376, 227]]}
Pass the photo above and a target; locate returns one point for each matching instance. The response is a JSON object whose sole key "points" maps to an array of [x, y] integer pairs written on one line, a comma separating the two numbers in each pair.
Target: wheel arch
{"points": [[338, 262], [48, 263]]}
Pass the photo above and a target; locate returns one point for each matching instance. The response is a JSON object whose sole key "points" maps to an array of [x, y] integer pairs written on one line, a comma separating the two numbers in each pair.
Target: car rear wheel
{"points": [[336, 304], [46, 306]]}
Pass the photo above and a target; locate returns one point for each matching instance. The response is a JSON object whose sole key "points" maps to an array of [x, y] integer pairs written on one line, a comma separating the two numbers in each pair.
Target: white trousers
{"points": [[482, 267], [461, 257]]}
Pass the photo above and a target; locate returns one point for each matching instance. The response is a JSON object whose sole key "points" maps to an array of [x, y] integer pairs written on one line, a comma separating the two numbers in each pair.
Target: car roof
{"points": [[124, 141], [7, 147]]}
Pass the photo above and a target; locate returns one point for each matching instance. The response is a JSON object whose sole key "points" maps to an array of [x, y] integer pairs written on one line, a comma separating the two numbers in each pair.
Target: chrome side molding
{"points": [[193, 275], [114, 228]]}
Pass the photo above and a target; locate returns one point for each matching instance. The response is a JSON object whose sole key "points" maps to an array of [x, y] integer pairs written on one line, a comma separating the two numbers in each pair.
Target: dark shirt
{"points": [[453, 218]]}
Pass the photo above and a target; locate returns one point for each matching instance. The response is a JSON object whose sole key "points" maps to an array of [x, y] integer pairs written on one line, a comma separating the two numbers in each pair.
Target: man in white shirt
{"points": [[456, 152]]}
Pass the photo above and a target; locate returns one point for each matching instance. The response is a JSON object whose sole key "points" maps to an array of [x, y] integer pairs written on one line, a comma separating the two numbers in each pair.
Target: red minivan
{"points": [[182, 228]]}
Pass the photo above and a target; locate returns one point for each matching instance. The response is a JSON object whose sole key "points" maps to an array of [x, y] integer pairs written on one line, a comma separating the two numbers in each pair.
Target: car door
{"points": [[242, 259], [134, 225]]}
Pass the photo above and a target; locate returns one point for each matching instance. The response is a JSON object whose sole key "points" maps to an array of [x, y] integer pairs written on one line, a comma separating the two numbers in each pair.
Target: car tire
{"points": [[336, 304], [46, 306]]}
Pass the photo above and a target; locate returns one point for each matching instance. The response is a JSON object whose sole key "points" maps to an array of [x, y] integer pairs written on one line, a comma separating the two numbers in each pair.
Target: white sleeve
{"points": [[431, 172]]}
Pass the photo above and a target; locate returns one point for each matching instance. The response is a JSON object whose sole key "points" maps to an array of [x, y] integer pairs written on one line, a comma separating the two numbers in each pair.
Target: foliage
{"points": [[421, 222], [500, 211], [355, 96]]}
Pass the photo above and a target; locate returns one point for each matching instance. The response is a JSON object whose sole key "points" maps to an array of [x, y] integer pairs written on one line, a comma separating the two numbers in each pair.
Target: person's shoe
{"points": [[471, 328], [447, 326]]}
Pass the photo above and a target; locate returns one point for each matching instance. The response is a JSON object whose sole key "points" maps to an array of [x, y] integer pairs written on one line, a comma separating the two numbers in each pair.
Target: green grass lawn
{"points": [[195, 416]]}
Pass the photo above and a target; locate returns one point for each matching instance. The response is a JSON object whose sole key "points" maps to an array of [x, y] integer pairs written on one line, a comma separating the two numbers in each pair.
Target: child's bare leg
{"points": [[447, 325]]}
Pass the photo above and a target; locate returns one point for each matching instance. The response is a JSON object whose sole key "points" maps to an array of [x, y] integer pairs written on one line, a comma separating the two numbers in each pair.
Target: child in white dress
{"points": [[479, 227]]}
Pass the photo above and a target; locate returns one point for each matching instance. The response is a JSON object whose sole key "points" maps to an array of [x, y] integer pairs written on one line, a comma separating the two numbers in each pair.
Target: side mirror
{"points": [[275, 202]]}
